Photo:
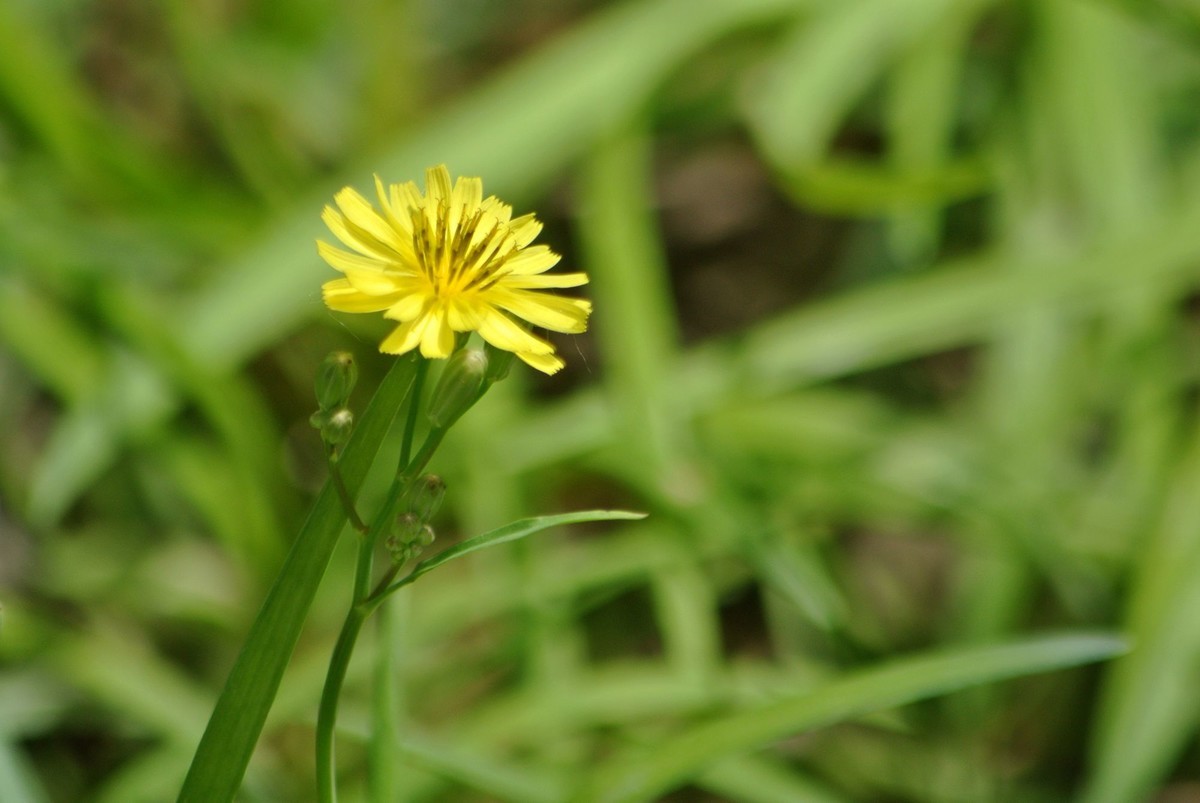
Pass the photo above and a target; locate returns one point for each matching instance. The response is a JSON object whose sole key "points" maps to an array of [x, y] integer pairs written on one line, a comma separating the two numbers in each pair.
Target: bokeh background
{"points": [[896, 338]]}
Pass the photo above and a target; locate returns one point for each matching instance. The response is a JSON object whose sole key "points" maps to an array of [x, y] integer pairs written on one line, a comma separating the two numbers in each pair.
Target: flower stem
{"points": [[339, 484], [414, 404], [432, 441], [364, 600], [381, 761], [327, 712]]}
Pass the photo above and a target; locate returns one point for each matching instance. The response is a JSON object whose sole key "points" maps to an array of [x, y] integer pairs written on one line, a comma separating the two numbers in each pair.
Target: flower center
{"points": [[460, 250]]}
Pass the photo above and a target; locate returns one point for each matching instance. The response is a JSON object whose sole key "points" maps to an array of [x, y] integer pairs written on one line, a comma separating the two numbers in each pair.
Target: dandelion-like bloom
{"points": [[448, 261]]}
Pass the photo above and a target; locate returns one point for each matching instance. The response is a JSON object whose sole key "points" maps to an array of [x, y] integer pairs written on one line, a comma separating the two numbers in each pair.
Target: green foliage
{"points": [[895, 338]]}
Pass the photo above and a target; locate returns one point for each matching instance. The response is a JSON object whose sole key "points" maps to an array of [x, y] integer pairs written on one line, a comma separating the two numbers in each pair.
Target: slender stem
{"points": [[381, 763], [363, 603], [432, 441], [381, 590], [327, 712], [339, 484], [414, 405], [366, 547]]}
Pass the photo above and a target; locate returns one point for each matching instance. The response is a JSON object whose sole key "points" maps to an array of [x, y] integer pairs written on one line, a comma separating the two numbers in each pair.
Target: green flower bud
{"points": [[408, 538], [400, 553], [406, 527], [499, 363], [425, 496], [460, 386], [337, 426], [335, 379]]}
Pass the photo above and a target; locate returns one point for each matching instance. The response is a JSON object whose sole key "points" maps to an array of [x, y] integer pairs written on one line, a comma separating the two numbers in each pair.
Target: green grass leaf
{"points": [[646, 773], [241, 710], [512, 532]]}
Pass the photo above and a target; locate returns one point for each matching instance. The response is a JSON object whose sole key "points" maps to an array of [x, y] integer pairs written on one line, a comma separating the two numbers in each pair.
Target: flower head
{"points": [[447, 261]]}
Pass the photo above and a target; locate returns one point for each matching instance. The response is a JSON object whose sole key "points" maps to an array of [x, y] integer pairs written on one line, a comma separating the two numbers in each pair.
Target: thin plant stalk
{"points": [[364, 601]]}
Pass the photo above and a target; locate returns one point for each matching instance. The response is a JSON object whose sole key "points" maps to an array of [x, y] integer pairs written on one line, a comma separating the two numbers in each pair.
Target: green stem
{"points": [[381, 763], [382, 588], [414, 404], [327, 712], [238, 717], [339, 484], [363, 603], [432, 441]]}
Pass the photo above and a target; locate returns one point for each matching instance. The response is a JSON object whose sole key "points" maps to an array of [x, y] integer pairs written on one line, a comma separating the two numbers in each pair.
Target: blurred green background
{"points": [[896, 338]]}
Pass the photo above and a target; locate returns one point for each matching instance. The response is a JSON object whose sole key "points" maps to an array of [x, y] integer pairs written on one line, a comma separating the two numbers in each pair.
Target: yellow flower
{"points": [[448, 261]]}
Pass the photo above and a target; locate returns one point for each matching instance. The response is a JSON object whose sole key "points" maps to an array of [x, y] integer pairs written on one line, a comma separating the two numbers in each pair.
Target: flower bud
{"points": [[400, 552], [335, 379], [408, 538], [459, 386], [338, 425], [425, 496], [406, 527], [499, 362]]}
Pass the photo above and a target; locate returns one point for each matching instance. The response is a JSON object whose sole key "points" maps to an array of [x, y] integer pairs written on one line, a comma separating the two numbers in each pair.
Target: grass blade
{"points": [[237, 720], [513, 532], [647, 773]]}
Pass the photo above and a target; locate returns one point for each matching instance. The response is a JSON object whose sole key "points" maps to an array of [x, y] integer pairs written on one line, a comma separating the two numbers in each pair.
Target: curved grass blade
{"points": [[510, 532], [646, 774]]}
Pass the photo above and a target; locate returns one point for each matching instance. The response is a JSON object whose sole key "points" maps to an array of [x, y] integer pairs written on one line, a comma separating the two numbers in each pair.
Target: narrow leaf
{"points": [[648, 773], [511, 532], [233, 730]]}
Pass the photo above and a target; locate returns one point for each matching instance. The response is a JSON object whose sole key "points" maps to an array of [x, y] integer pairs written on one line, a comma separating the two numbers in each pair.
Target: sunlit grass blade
{"points": [[922, 114], [241, 710], [1147, 710], [647, 773], [755, 779], [473, 770], [634, 317]]}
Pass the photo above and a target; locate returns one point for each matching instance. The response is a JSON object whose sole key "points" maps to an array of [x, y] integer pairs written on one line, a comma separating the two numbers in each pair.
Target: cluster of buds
{"points": [[335, 380], [411, 530]]}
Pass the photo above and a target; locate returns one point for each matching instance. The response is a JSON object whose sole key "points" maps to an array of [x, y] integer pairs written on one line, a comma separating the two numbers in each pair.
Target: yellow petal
{"points": [[437, 341], [340, 295], [404, 337], [485, 228], [397, 217], [408, 306], [546, 363], [543, 281], [537, 259], [468, 194], [462, 315], [525, 229], [365, 273], [498, 329], [497, 208], [359, 212], [437, 184], [355, 237], [405, 198], [542, 309]]}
